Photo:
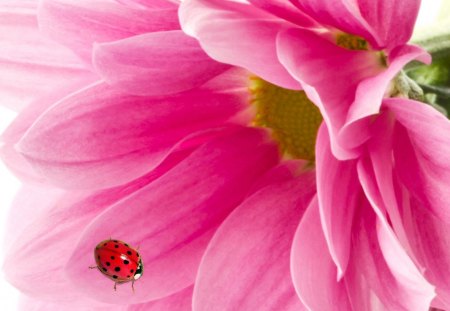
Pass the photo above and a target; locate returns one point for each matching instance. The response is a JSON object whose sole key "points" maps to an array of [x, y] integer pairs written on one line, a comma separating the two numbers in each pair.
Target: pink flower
{"points": [[394, 148], [154, 147]]}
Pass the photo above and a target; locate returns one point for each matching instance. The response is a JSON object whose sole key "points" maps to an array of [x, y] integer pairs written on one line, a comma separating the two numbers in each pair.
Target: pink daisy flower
{"points": [[154, 147]]}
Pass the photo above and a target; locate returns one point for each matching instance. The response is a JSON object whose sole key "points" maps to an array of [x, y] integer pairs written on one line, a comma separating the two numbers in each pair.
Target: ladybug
{"points": [[118, 261]]}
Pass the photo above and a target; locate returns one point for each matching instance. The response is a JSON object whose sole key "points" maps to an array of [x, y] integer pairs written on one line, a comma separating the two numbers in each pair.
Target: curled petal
{"points": [[217, 24], [421, 152], [330, 77], [338, 194]]}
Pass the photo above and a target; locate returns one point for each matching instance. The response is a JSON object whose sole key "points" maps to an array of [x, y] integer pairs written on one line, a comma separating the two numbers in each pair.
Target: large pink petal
{"points": [[53, 233], [24, 210], [150, 4], [380, 275], [343, 15], [100, 21], [285, 10], [31, 64], [30, 304], [238, 34], [100, 137], [251, 250], [392, 21], [415, 293], [330, 77], [13, 159], [313, 270], [180, 301], [430, 238], [338, 194], [155, 63], [173, 218], [421, 152]]}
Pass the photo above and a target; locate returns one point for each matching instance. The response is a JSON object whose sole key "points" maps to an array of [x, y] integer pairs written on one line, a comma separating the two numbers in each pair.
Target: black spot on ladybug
{"points": [[126, 262], [116, 241], [112, 257], [116, 246], [104, 269], [129, 252], [132, 270], [108, 264], [114, 276], [105, 244], [98, 256], [117, 269], [128, 276], [126, 245]]}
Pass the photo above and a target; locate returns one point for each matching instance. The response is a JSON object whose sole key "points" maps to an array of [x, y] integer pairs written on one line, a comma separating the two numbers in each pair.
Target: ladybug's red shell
{"points": [[118, 261]]}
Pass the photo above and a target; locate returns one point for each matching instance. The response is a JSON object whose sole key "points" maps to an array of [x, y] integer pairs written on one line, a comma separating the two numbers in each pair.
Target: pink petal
{"points": [[173, 218], [155, 63], [343, 15], [54, 233], [15, 161], [415, 292], [430, 238], [334, 95], [313, 270], [30, 304], [373, 283], [391, 21], [421, 152], [246, 265], [31, 64], [370, 92], [285, 10], [151, 4], [217, 24], [24, 210], [179, 301], [376, 173], [100, 137], [338, 197], [101, 21]]}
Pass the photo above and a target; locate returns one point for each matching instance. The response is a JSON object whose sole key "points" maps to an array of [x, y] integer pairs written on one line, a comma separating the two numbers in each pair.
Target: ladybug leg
{"points": [[93, 267], [132, 286], [115, 284]]}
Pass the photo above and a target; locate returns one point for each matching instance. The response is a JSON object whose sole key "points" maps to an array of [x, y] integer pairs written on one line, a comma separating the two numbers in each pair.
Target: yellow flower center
{"points": [[293, 119]]}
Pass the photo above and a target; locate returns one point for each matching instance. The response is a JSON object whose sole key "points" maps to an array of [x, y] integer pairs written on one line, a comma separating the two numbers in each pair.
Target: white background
{"points": [[9, 184]]}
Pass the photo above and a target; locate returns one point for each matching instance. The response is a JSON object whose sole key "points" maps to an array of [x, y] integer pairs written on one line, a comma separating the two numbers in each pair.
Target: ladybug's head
{"points": [[139, 271]]}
